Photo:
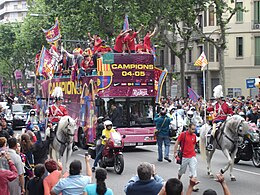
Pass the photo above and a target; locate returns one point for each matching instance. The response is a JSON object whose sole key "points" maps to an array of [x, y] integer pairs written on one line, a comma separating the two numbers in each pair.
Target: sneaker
{"points": [[167, 158], [195, 189], [93, 169], [209, 147], [159, 160], [75, 148]]}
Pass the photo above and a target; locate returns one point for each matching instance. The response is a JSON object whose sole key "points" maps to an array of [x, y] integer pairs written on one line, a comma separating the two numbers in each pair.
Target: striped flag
{"points": [[53, 34], [45, 67], [201, 61], [126, 23], [193, 95]]}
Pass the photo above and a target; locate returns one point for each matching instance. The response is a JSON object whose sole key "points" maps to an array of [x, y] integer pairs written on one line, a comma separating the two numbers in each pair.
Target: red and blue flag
{"points": [[193, 95]]}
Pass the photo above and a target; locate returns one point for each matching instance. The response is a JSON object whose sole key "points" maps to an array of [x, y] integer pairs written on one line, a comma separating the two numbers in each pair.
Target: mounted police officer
{"points": [[221, 111]]}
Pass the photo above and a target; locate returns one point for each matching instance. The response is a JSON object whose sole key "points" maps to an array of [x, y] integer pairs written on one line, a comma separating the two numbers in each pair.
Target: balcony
{"points": [[190, 67]]}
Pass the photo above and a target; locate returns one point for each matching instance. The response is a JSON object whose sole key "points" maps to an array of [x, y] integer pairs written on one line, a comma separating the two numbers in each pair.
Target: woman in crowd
{"points": [[100, 187], [35, 185]]}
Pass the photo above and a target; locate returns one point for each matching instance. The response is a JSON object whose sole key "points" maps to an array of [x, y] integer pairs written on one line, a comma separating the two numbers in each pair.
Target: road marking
{"points": [[249, 172]]}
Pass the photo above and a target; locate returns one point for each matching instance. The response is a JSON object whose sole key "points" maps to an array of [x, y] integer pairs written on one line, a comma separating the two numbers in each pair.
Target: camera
{"points": [[2, 153], [86, 153]]}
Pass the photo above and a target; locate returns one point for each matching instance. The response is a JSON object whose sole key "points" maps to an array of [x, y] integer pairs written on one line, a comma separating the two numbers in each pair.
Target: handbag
{"points": [[157, 131], [180, 152]]}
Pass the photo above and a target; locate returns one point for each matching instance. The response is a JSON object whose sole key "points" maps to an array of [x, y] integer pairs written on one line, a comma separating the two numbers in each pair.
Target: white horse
{"points": [[226, 139], [61, 147]]}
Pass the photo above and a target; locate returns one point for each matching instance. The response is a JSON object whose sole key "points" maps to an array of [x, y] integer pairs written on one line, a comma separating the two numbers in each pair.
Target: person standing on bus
{"points": [[147, 39], [162, 122], [120, 42], [130, 40]]}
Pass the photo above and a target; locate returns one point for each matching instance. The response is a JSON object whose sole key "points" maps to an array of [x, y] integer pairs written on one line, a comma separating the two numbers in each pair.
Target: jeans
{"points": [[166, 140], [99, 155]]}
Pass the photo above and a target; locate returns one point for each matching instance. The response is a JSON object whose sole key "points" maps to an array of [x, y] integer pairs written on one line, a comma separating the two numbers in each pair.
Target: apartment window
{"points": [[257, 50], [23, 5], [211, 52], [239, 14], [211, 16], [200, 50], [239, 46], [190, 55], [200, 25], [205, 18], [15, 6], [257, 12], [20, 15]]}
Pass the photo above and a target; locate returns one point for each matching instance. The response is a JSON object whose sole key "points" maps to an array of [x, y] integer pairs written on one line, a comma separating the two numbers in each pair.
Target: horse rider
{"points": [[221, 110], [57, 110]]}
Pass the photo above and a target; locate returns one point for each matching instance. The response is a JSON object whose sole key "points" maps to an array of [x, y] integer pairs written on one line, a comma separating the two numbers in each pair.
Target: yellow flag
{"points": [[201, 61]]}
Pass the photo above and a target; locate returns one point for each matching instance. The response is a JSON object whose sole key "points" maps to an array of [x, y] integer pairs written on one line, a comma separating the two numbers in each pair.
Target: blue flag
{"points": [[193, 95], [126, 23]]}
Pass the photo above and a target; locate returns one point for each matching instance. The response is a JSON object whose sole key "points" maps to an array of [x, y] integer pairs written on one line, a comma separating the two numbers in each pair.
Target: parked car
{"points": [[20, 114]]}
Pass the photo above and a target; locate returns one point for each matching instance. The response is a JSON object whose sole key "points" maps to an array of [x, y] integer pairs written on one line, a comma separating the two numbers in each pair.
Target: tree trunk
{"points": [[222, 69], [182, 74]]}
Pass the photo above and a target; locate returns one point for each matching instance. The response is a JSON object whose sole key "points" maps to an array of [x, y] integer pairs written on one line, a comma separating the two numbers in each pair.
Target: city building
{"points": [[242, 55], [12, 10]]}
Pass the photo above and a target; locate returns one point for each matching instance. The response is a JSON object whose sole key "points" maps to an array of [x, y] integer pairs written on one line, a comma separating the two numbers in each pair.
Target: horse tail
{"points": [[203, 132]]}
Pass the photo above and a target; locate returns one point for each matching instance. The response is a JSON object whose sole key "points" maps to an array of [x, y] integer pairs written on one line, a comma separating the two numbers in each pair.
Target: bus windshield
{"points": [[131, 112]]}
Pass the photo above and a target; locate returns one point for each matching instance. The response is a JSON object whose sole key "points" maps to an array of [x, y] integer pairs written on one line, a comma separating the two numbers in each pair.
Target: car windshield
{"points": [[21, 108]]}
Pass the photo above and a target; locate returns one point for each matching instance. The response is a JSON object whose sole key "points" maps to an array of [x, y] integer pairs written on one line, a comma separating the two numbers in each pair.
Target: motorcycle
{"points": [[249, 147], [112, 155]]}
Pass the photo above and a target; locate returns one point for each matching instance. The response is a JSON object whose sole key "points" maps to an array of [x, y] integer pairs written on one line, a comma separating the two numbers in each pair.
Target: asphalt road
{"points": [[248, 176]]}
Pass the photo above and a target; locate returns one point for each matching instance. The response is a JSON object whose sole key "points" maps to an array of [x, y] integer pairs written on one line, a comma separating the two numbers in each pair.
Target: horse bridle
{"points": [[69, 134], [234, 142]]}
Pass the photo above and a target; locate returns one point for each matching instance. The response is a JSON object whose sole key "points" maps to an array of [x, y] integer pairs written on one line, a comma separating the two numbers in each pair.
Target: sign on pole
{"points": [[250, 83]]}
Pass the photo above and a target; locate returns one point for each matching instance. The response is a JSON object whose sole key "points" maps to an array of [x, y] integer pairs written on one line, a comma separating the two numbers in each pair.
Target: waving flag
{"points": [[159, 78], [193, 95], [53, 34], [45, 67], [201, 61], [126, 23]]}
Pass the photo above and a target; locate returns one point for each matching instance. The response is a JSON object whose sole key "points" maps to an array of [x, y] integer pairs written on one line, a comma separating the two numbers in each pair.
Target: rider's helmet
{"points": [[193, 109], [190, 114], [108, 123], [100, 119], [32, 113], [242, 114]]}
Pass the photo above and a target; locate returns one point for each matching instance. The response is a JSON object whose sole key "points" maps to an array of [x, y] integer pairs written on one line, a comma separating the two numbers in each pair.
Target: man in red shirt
{"points": [[130, 40], [103, 48], [97, 41], [147, 39], [141, 48], [120, 42], [187, 141]]}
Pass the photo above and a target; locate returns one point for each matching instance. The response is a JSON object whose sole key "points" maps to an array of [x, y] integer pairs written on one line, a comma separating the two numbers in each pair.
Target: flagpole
{"points": [[204, 94]]}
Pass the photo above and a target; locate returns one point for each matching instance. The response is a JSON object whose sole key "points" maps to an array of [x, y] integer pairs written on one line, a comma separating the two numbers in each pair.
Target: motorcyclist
{"points": [[32, 120], [189, 119], [105, 136], [221, 111]]}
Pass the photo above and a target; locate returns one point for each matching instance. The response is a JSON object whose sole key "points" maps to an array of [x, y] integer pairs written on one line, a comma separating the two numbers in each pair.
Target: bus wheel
{"points": [[81, 139]]}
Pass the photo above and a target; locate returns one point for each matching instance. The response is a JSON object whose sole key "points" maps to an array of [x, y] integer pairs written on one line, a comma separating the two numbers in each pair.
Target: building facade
{"points": [[242, 55], [12, 10]]}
